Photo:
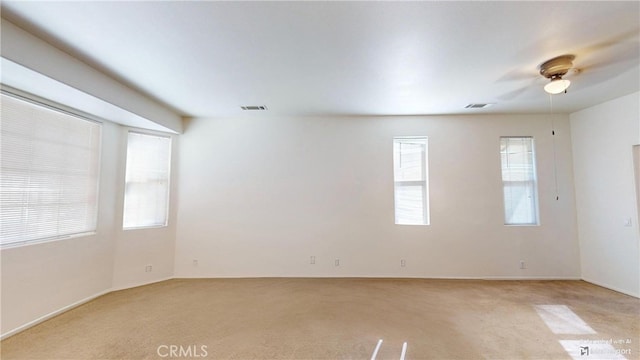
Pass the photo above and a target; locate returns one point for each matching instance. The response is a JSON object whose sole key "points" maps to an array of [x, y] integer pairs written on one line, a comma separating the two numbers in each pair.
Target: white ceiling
{"points": [[348, 58]]}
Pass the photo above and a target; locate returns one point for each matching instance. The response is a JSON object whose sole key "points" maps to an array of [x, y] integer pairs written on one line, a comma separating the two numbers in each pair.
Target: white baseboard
{"points": [[614, 288], [524, 278], [52, 314], [556, 278], [388, 277], [135, 285]]}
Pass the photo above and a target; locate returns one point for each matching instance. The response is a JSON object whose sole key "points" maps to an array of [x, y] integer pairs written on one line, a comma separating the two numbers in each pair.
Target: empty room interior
{"points": [[320, 180]]}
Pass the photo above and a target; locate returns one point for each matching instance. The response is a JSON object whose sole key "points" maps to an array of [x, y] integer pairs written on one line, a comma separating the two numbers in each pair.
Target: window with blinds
{"points": [[519, 181], [410, 175], [146, 198], [49, 173]]}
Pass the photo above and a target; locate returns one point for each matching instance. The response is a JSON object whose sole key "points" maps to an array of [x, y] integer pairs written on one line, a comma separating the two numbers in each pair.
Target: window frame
{"points": [[169, 168], [423, 182], [533, 181]]}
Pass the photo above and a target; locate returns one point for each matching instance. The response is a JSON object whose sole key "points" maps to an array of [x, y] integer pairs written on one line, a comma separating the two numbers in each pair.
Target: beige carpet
{"points": [[339, 319]]}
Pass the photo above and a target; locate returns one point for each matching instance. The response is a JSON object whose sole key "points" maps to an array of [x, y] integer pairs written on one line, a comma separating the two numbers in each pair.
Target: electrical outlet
{"points": [[195, 262], [522, 265], [148, 268], [627, 222], [403, 263], [312, 260], [337, 262]]}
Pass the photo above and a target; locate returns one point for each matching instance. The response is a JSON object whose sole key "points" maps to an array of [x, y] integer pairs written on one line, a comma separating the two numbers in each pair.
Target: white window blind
{"points": [[146, 200], [519, 181], [50, 169], [411, 180]]}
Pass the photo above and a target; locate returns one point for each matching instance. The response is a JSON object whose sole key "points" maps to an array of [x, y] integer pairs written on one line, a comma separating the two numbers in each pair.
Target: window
{"points": [[519, 181], [410, 176], [50, 168], [146, 198]]}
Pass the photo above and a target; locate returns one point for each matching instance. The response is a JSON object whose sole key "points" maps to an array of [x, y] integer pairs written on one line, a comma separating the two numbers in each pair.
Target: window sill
{"points": [[43, 241]]}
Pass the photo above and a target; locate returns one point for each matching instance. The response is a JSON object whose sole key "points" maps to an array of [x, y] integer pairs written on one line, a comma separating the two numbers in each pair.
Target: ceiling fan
{"points": [[596, 62], [554, 69]]}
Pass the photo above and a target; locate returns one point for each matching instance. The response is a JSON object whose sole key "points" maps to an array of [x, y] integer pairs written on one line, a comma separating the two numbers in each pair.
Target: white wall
{"points": [[259, 196], [39, 280], [603, 137]]}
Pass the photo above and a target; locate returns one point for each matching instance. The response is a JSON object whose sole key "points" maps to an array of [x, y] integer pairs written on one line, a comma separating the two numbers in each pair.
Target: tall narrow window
{"points": [[410, 175], [519, 181], [146, 198], [49, 173]]}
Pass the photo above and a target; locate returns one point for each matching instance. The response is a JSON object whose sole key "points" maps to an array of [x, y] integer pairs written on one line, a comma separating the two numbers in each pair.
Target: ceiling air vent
{"points": [[254, 107], [477, 106]]}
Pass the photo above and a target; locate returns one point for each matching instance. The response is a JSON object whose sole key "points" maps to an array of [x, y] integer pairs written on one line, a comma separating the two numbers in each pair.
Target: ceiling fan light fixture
{"points": [[557, 85]]}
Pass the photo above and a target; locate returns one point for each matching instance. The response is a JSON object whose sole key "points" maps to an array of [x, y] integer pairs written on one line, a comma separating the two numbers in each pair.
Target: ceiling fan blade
{"points": [[622, 59], [534, 84], [619, 49], [513, 94], [623, 38], [517, 75]]}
